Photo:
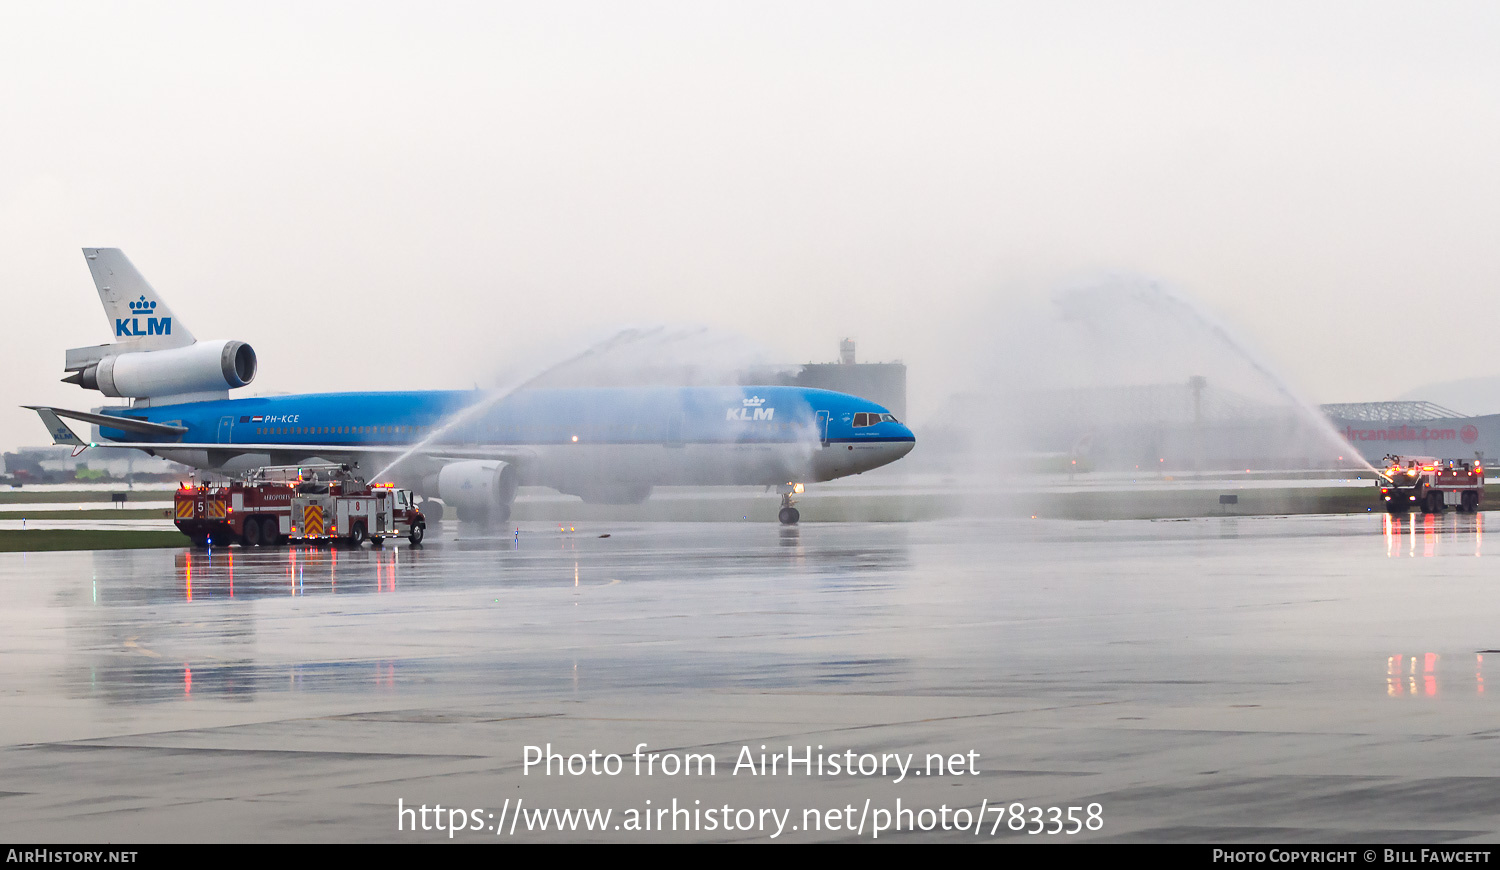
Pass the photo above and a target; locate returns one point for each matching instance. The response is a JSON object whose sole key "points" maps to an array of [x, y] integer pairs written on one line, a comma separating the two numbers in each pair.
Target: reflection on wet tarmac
{"points": [[1402, 675], [1422, 676], [1462, 534], [227, 572], [1196, 675], [126, 652]]}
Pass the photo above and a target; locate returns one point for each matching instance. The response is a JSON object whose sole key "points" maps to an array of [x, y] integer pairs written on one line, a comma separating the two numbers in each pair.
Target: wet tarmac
{"points": [[1286, 679]]}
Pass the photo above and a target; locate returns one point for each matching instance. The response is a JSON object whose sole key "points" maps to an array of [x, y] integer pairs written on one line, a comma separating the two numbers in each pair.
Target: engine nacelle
{"points": [[479, 488], [206, 366]]}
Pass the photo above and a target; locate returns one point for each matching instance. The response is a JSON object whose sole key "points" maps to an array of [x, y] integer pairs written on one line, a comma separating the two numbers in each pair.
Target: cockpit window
{"points": [[862, 419], [889, 418]]}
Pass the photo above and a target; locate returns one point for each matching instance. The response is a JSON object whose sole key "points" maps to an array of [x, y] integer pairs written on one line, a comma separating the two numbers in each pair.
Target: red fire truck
{"points": [[1431, 484], [313, 504]]}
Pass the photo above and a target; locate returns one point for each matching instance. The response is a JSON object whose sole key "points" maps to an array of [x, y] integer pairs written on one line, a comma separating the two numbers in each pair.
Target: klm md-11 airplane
{"points": [[467, 449]]}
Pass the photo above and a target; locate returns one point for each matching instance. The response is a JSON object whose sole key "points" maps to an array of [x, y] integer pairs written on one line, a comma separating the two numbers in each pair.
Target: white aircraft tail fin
{"points": [[137, 313]]}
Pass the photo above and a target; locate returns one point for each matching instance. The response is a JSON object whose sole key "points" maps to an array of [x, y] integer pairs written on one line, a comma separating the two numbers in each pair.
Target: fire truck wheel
{"points": [[377, 542], [270, 532], [357, 535], [1434, 502], [418, 531], [1471, 502], [252, 532]]}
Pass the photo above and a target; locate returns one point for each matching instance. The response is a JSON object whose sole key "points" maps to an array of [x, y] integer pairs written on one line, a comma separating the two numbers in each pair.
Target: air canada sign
{"points": [[1468, 434]]}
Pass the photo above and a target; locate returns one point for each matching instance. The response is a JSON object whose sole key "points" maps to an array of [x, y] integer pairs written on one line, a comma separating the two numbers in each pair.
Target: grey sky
{"points": [[460, 185]]}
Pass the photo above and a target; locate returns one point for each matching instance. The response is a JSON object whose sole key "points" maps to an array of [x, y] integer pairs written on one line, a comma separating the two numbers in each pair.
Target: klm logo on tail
{"points": [[131, 326]]}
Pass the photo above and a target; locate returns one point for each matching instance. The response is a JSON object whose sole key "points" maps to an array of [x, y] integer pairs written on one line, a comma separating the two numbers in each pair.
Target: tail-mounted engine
{"points": [[206, 366]]}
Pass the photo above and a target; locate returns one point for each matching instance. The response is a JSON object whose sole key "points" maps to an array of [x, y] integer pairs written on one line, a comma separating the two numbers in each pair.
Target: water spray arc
{"points": [[530, 378], [1096, 307]]}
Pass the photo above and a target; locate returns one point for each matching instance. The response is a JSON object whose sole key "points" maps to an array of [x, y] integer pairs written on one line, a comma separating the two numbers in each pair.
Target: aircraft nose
{"points": [[906, 446]]}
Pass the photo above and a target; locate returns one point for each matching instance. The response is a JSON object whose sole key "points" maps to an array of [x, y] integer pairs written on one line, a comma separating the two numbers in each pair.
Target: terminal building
{"points": [[1376, 429], [1197, 426], [1188, 426]]}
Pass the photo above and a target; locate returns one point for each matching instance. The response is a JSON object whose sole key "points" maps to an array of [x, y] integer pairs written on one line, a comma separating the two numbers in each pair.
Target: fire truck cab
{"points": [[1431, 485]]}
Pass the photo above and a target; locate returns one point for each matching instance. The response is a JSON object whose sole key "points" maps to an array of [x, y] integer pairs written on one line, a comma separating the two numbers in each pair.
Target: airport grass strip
{"points": [[39, 540], [61, 496], [89, 514]]}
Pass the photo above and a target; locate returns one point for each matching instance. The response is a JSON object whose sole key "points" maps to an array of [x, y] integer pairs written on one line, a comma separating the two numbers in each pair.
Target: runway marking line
{"points": [[130, 644]]}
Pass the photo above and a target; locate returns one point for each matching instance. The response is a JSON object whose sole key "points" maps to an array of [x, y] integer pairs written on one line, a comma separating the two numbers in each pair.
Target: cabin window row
{"points": [[615, 430], [342, 430]]}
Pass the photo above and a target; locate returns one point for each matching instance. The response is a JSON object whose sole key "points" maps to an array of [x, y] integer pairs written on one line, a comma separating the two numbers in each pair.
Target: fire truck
{"points": [[1431, 484], [310, 504]]}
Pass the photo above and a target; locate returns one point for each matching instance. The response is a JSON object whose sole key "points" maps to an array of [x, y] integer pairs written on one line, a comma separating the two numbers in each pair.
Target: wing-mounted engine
{"points": [[482, 490]]}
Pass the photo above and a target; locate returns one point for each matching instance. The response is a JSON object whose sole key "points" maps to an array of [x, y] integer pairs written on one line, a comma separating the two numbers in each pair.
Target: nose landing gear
{"points": [[789, 515]]}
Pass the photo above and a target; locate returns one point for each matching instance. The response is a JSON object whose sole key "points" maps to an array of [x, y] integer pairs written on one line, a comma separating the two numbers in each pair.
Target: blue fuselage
{"points": [[553, 433]]}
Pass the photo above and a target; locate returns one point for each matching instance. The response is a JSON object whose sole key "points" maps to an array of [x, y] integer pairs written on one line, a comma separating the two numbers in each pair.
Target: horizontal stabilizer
{"points": [[123, 424], [59, 430]]}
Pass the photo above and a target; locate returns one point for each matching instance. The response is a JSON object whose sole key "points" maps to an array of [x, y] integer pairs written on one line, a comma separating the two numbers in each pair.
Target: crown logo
{"points": [[142, 307], [754, 402]]}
